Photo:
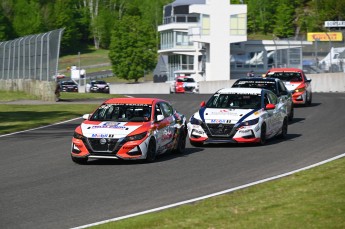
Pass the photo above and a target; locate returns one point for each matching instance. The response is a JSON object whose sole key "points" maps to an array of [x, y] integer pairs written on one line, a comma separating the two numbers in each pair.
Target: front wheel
{"points": [[284, 130], [181, 145], [309, 99], [151, 151], [263, 135]]}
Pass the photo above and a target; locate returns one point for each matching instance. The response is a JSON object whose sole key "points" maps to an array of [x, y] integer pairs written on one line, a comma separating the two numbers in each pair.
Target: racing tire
{"points": [[292, 112], [196, 144], [79, 160], [308, 102], [263, 135], [151, 151], [283, 134], [181, 145]]}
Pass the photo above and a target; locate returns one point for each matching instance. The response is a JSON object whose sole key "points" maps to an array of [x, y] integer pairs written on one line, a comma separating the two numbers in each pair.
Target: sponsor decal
{"points": [[220, 121], [102, 135], [222, 112], [167, 134], [110, 125]]}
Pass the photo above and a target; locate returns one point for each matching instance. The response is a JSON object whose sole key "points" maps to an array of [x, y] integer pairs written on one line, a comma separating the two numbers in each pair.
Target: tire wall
{"points": [[44, 90]]}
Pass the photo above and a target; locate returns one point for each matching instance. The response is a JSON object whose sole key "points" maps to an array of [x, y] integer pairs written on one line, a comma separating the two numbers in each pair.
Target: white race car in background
{"points": [[238, 115]]}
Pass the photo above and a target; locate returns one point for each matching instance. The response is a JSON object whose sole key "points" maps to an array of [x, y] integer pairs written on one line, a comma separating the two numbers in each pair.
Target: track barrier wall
{"points": [[324, 82], [42, 89]]}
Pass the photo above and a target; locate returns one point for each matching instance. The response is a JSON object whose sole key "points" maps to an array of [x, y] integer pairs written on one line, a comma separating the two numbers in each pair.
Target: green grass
{"points": [[86, 58], [309, 199], [11, 96], [83, 96], [21, 117]]}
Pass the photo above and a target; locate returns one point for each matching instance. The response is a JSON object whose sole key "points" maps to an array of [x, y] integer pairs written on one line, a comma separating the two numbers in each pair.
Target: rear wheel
{"points": [[181, 145], [263, 135], [284, 130], [151, 151], [79, 160]]}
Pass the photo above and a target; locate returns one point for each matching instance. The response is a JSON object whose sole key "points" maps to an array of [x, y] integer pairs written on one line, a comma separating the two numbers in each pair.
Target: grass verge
{"points": [[15, 117], [22, 117], [308, 199]]}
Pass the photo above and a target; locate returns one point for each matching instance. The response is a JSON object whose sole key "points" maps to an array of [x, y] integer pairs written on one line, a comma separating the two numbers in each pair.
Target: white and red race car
{"points": [[296, 82], [239, 115], [129, 129]]}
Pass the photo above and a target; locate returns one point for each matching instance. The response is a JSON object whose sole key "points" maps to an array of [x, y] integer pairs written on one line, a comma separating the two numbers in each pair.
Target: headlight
{"points": [[136, 137], [195, 121], [249, 122], [78, 136], [302, 89]]}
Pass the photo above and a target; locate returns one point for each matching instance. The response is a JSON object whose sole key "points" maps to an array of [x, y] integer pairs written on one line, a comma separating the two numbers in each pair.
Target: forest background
{"points": [[128, 28]]}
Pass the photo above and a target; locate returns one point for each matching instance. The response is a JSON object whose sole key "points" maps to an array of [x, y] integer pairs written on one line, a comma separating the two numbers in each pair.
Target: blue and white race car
{"points": [[239, 115]]}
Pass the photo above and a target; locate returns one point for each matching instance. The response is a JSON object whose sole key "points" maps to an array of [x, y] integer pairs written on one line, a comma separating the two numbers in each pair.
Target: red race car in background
{"points": [[129, 129], [185, 84], [296, 82]]}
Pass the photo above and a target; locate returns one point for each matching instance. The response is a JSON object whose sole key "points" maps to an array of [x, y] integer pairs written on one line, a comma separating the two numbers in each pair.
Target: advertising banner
{"points": [[328, 36]]}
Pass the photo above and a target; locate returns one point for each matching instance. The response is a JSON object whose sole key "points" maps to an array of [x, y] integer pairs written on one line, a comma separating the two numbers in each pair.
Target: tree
{"points": [[284, 26], [133, 48], [4, 28], [27, 18], [66, 16]]}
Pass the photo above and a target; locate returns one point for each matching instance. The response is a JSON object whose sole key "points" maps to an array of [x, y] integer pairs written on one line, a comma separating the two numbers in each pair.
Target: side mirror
{"points": [[270, 106], [86, 116], [308, 80], [202, 104], [159, 118]]}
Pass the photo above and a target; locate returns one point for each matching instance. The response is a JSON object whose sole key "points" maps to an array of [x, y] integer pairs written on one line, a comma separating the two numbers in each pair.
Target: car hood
{"points": [[101, 85], [291, 85], [228, 116], [190, 84], [108, 129]]}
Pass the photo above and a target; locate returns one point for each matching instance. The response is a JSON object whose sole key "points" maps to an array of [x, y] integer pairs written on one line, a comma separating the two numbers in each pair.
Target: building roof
{"points": [[187, 2]]}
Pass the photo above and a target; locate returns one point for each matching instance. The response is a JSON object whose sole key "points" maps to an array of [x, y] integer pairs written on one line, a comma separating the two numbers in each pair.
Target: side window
{"points": [[167, 109], [282, 87], [272, 98], [158, 110], [266, 100]]}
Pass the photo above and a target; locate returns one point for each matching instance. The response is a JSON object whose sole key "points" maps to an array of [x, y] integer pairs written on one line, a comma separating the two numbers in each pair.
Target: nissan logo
{"points": [[103, 141]]}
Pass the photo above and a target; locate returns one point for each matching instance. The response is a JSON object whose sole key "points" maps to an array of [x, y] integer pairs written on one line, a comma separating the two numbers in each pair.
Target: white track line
{"points": [[23, 131], [210, 195]]}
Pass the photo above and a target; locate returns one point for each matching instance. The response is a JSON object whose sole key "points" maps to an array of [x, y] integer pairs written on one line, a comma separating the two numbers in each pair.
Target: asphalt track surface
{"points": [[40, 187]]}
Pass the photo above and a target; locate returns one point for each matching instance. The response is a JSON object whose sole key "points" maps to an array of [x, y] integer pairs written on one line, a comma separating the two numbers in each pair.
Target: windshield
{"points": [[235, 101], [269, 85], [286, 76], [99, 82], [189, 80], [69, 83], [123, 113]]}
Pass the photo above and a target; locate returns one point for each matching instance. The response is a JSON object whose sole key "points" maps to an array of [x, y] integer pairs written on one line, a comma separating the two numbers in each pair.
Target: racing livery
{"points": [[129, 129], [238, 115], [295, 81]]}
